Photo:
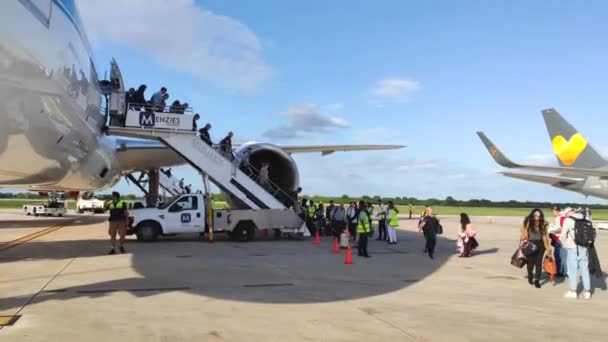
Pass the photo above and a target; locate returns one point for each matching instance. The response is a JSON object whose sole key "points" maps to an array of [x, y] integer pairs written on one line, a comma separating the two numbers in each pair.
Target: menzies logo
{"points": [[160, 120], [147, 119], [186, 218]]}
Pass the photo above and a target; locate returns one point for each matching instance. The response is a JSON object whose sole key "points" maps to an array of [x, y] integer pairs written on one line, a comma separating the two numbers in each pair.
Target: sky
{"points": [[426, 74]]}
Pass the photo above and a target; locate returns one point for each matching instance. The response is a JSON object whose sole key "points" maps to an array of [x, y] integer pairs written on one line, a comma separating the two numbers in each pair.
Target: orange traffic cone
{"points": [[317, 238], [336, 246], [348, 260]]}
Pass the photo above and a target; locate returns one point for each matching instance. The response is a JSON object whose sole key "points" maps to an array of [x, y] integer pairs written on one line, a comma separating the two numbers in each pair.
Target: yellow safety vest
{"points": [[394, 222], [311, 212], [118, 205], [370, 213], [363, 223]]}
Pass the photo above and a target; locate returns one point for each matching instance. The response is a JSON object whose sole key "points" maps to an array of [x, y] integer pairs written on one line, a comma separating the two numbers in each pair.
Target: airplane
{"points": [[53, 118], [582, 169]]}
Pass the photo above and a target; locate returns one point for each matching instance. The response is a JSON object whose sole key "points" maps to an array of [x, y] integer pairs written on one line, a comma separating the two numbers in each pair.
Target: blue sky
{"points": [[423, 74]]}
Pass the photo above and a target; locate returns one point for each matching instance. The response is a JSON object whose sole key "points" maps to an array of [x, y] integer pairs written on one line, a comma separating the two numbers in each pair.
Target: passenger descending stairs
{"points": [[221, 171], [169, 184]]}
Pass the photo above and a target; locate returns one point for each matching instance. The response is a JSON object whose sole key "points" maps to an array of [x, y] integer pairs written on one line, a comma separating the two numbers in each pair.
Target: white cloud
{"points": [[415, 166], [306, 119], [394, 90], [182, 36]]}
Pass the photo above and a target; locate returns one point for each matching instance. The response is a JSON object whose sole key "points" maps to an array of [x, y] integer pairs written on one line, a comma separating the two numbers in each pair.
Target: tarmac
{"points": [[57, 283]]}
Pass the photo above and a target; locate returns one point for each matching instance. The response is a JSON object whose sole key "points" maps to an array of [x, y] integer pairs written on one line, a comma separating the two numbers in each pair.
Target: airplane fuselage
{"points": [[50, 102]]}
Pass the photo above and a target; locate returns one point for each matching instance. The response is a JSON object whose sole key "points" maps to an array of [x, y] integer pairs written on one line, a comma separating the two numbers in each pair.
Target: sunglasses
{"points": [[537, 215]]}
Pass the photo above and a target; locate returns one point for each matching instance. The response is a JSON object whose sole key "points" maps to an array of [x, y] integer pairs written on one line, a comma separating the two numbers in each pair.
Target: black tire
{"points": [[147, 231], [244, 231], [60, 215], [80, 211]]}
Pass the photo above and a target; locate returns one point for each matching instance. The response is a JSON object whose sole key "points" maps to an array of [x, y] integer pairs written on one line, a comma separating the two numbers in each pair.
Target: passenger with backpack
{"points": [[577, 236]]}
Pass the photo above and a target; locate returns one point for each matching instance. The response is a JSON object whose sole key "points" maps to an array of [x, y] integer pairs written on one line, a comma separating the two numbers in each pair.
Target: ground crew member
{"points": [[411, 210], [370, 213], [393, 223], [119, 219], [310, 217], [382, 232], [363, 229]]}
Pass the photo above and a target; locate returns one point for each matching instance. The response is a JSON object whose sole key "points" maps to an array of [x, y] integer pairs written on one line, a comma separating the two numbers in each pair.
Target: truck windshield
{"points": [[167, 202], [87, 195]]}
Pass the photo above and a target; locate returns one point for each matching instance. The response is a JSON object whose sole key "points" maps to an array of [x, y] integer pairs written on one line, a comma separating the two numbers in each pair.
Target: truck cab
{"points": [[182, 214], [187, 213]]}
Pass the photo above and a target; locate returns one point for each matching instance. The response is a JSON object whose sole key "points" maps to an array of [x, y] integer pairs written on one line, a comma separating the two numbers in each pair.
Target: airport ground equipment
{"points": [[88, 202], [51, 208], [262, 206], [188, 213]]}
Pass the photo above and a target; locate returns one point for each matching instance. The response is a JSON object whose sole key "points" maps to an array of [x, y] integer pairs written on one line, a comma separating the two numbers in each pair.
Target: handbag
{"points": [[528, 248], [550, 267], [439, 229], [518, 259]]}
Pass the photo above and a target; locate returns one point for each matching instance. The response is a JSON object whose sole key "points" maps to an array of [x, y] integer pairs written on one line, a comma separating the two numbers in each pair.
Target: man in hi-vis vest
{"points": [[393, 223], [119, 219], [363, 229]]}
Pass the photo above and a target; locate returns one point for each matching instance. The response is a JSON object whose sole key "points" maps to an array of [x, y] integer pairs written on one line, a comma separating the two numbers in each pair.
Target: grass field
{"points": [[601, 214]]}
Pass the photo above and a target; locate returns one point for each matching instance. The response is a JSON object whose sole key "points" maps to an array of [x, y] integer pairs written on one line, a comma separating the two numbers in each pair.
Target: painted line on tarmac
{"points": [[33, 236]]}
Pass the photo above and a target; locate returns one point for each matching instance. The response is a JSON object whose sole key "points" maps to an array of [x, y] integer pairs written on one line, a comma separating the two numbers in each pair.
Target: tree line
{"points": [[448, 201]]}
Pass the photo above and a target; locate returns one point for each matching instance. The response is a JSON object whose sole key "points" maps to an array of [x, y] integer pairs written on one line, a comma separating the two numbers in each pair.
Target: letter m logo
{"points": [[186, 218], [147, 119]]}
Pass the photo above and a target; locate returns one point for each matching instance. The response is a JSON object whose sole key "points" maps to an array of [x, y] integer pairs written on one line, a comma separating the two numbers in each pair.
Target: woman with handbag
{"points": [[466, 239], [534, 242]]}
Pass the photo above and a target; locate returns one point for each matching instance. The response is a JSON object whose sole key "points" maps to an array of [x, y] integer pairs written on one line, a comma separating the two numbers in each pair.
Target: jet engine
{"points": [[283, 171]]}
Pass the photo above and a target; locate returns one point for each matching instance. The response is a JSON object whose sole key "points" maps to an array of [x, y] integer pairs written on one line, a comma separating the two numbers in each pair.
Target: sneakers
{"points": [[537, 284], [112, 251], [572, 295], [587, 295], [122, 249]]}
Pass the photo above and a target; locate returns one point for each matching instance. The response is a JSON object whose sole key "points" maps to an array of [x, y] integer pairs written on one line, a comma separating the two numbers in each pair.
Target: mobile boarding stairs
{"points": [[176, 132]]}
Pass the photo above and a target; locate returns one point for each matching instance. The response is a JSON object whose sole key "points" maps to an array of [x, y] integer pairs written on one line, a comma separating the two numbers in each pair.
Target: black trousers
{"points": [[310, 224], [362, 246], [535, 261], [382, 231], [431, 241], [352, 229], [338, 226]]}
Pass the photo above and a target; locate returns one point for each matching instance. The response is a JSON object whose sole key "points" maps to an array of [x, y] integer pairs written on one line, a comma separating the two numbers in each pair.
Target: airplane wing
{"points": [[329, 149], [546, 179], [502, 160], [141, 154]]}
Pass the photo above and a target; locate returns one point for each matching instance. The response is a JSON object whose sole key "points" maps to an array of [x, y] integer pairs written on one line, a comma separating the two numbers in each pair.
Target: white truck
{"points": [[51, 208], [187, 213], [87, 201]]}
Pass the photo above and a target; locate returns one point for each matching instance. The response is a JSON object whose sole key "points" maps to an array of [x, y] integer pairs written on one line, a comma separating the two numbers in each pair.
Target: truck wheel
{"points": [[244, 231], [80, 211], [147, 231]]}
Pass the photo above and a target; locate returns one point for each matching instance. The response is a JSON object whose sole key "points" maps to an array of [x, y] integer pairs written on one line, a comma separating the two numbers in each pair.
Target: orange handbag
{"points": [[550, 267]]}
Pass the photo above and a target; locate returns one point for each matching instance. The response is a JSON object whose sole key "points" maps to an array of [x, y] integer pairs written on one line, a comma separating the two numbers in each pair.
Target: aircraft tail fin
{"points": [[569, 146]]}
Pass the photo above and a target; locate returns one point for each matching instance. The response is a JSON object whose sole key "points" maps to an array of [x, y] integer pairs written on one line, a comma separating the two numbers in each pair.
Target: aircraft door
{"points": [[118, 101]]}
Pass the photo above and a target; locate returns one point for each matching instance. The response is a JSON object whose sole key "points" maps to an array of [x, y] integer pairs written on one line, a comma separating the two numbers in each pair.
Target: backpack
{"points": [[584, 233]]}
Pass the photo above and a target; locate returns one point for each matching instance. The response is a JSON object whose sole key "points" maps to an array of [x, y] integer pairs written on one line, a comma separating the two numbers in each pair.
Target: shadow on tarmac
{"points": [[45, 222], [259, 271]]}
